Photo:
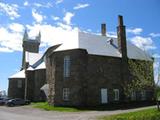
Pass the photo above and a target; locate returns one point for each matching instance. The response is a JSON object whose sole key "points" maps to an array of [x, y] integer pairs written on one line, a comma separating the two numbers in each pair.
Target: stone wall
{"points": [[30, 85], [39, 81], [13, 90], [103, 72], [75, 82], [35, 80], [89, 74]]}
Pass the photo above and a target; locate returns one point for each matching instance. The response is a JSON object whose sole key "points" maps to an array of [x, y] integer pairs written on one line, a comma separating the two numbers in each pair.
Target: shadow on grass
{"points": [[118, 106], [106, 107]]}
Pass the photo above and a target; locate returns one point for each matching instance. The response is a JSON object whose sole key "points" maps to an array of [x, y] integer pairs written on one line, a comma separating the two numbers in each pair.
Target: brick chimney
{"points": [[121, 33], [103, 29]]}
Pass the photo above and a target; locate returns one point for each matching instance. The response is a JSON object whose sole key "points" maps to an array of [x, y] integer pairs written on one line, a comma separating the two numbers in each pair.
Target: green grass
{"points": [[47, 107], [148, 114]]}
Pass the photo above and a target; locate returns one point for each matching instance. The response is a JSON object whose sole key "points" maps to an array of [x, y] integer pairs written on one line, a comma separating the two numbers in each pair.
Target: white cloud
{"points": [[16, 27], [59, 1], [46, 5], [156, 56], [154, 34], [26, 3], [145, 43], [10, 10], [64, 26], [67, 18], [37, 4], [51, 35], [9, 40], [4, 49], [38, 17], [80, 6], [55, 18], [135, 31], [89, 30]]}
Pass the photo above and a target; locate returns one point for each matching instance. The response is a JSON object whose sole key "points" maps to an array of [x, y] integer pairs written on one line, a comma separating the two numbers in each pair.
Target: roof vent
{"points": [[111, 41]]}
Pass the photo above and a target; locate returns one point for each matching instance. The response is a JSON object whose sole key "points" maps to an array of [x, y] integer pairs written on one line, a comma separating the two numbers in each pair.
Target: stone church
{"points": [[86, 70]]}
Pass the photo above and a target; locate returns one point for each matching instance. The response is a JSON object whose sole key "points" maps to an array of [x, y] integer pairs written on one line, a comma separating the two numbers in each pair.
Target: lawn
{"points": [[148, 114], [46, 106]]}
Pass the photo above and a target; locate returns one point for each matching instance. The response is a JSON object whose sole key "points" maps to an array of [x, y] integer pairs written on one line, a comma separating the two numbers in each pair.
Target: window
{"points": [[133, 95], [143, 95], [116, 94], [19, 83], [66, 94], [67, 63]]}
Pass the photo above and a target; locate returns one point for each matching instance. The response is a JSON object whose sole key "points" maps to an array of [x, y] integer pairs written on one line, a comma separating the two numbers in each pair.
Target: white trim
{"points": [[104, 96], [66, 93], [116, 94]]}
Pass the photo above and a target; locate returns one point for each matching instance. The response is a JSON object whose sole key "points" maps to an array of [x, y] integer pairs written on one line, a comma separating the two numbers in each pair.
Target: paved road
{"points": [[29, 113]]}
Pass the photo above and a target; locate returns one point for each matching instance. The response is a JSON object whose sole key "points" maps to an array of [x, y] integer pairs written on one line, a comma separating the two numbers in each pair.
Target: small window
{"points": [[19, 83], [116, 94], [67, 63], [66, 93], [133, 95], [143, 95]]}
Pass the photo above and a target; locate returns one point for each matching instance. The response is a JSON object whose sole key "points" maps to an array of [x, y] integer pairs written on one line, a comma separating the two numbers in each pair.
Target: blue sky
{"points": [[51, 17]]}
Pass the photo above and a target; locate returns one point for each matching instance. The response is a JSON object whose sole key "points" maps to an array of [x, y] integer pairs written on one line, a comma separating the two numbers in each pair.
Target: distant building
{"points": [[88, 70]]}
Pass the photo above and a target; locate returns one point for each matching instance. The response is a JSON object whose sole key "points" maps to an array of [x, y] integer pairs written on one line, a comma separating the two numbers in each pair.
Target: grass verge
{"points": [[148, 114], [46, 106]]}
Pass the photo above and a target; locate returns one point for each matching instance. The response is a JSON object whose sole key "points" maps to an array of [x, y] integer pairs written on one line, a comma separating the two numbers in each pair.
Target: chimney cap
{"points": [[120, 20]]}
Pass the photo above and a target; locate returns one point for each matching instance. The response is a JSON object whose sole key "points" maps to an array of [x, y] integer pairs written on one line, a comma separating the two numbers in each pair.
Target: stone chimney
{"points": [[122, 47], [121, 33], [103, 29]]}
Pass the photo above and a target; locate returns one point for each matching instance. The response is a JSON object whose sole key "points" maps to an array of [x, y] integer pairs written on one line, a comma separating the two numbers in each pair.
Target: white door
{"points": [[104, 96]]}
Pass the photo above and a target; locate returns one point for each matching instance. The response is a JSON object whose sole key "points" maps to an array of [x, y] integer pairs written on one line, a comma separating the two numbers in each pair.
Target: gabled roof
{"points": [[100, 45], [20, 74]]}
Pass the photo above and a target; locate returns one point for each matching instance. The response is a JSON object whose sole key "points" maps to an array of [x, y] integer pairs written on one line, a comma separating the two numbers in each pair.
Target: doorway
{"points": [[104, 95]]}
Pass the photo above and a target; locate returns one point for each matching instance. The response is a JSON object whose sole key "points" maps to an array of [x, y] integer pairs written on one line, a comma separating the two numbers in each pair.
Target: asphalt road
{"points": [[29, 113]]}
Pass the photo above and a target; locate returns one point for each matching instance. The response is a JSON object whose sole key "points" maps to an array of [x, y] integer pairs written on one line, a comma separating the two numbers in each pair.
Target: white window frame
{"points": [[66, 66], [19, 83], [66, 93], [116, 94]]}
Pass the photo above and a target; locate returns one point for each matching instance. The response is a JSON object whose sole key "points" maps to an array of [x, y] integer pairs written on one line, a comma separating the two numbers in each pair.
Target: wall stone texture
{"points": [[88, 75]]}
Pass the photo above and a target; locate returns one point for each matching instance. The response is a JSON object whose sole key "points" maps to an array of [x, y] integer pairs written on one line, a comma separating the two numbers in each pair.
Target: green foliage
{"points": [[141, 76], [158, 92], [149, 114], [47, 107]]}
